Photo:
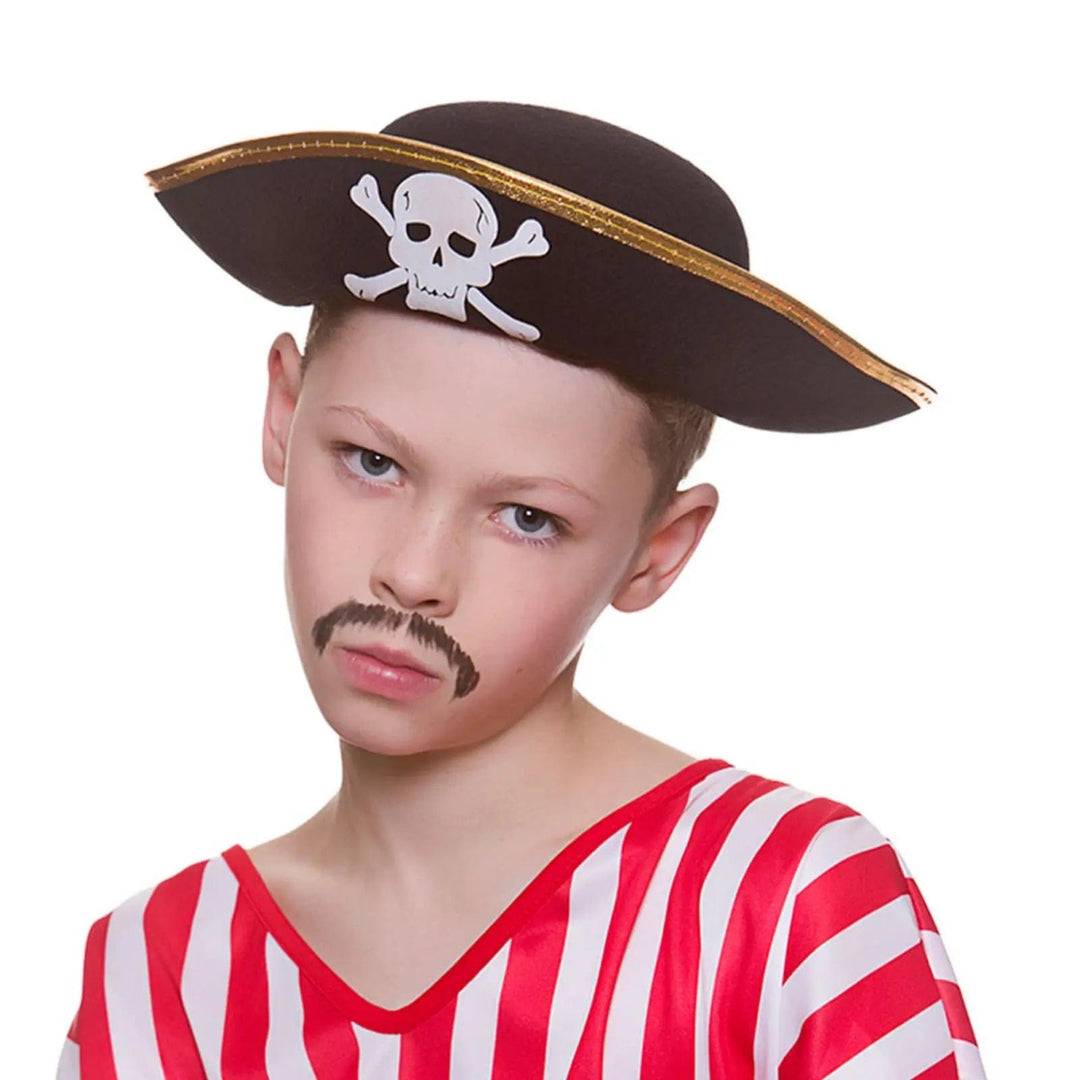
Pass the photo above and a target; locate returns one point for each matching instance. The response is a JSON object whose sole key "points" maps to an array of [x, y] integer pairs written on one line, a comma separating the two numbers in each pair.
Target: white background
{"points": [[883, 616]]}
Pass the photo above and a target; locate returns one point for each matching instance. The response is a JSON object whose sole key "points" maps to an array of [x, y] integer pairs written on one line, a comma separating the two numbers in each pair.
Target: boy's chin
{"points": [[387, 736]]}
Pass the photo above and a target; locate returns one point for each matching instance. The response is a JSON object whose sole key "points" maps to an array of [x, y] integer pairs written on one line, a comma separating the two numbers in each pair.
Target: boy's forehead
{"points": [[451, 397], [414, 358]]}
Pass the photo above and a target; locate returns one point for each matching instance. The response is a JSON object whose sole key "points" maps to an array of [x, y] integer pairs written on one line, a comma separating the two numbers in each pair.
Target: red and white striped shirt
{"points": [[720, 926]]}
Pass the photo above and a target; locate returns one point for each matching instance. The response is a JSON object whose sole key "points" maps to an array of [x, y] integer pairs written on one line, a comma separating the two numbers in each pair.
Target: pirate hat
{"points": [[598, 245]]}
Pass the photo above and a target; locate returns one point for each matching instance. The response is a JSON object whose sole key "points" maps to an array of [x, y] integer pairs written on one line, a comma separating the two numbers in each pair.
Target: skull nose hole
{"points": [[436, 259]]}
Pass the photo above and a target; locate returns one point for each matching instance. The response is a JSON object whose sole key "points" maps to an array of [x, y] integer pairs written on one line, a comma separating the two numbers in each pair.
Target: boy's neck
{"points": [[421, 828]]}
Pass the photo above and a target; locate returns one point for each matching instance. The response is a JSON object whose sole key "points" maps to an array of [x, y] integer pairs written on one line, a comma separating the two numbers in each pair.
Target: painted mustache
{"points": [[352, 612]]}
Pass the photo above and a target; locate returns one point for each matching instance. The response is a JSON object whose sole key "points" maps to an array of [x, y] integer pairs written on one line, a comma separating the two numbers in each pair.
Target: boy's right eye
{"points": [[366, 465]]}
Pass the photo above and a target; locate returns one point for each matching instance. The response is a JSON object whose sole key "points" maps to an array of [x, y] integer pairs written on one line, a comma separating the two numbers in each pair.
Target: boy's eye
{"points": [[527, 518], [525, 524], [371, 463]]}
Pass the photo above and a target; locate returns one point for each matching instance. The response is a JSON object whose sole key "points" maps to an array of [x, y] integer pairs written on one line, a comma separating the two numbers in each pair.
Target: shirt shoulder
{"points": [[159, 917], [824, 948], [766, 828], [133, 963], [785, 861]]}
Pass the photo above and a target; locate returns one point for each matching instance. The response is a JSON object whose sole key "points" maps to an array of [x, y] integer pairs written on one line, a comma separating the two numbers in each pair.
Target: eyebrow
{"points": [[402, 446]]}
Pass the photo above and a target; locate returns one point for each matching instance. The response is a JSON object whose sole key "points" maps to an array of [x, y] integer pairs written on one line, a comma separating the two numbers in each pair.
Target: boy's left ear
{"points": [[283, 388], [668, 547]]}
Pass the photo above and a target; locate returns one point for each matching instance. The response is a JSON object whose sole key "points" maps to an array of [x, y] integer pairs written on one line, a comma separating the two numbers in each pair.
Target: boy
{"points": [[524, 323]]}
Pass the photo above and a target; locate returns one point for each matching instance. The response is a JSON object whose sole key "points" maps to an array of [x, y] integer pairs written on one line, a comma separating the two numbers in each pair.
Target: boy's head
{"points": [[522, 304], [430, 473]]}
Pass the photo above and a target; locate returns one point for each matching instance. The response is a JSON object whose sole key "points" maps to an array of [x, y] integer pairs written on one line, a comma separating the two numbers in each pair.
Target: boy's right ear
{"points": [[283, 389]]}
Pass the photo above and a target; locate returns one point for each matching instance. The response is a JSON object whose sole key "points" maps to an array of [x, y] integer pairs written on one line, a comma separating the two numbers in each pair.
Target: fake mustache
{"points": [[415, 626]]}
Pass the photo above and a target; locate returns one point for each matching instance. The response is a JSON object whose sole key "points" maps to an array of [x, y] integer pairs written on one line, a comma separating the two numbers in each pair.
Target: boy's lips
{"points": [[394, 657]]}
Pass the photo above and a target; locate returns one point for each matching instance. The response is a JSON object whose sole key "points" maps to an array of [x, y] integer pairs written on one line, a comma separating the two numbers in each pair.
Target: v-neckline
{"points": [[357, 1008]]}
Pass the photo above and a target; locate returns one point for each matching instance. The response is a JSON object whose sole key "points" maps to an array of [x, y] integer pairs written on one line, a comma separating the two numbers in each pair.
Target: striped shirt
{"points": [[721, 926]]}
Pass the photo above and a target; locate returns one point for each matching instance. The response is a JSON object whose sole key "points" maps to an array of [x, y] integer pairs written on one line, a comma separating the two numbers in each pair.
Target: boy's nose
{"points": [[415, 576]]}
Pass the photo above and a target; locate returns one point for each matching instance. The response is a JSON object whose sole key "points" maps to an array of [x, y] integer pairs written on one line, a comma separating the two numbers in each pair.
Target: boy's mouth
{"points": [[369, 673], [395, 658]]}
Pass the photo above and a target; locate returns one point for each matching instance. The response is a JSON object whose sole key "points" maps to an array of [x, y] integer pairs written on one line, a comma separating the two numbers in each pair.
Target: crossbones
{"points": [[442, 239]]}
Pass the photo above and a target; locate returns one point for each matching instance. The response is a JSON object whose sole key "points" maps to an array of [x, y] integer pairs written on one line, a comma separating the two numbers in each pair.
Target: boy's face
{"points": [[429, 526]]}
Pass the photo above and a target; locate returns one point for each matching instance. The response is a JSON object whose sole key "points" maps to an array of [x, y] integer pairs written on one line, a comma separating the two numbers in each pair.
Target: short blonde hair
{"points": [[674, 432]]}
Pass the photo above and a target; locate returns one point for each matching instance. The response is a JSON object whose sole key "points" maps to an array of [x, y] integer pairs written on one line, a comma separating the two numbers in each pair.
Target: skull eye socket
{"points": [[462, 245], [417, 231]]}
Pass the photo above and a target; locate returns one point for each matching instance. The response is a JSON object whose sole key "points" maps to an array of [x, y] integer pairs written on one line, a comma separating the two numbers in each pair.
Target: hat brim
{"points": [[613, 291]]}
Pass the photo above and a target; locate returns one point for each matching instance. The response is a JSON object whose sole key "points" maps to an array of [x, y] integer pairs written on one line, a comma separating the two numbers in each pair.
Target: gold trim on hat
{"points": [[554, 200]]}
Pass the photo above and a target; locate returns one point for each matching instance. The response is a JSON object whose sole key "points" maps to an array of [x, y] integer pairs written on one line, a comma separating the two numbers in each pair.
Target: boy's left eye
{"points": [[373, 465]]}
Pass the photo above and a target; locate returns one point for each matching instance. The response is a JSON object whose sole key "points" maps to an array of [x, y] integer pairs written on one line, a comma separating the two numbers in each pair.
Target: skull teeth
{"points": [[434, 292]]}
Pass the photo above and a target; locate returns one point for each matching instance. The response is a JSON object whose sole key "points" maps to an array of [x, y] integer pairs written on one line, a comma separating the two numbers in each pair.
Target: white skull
{"points": [[444, 229]]}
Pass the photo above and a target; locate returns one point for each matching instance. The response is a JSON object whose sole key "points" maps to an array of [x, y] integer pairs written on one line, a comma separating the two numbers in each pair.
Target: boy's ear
{"points": [[283, 388], [668, 547]]}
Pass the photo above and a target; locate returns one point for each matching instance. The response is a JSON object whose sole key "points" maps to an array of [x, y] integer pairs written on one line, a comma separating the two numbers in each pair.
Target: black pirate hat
{"points": [[596, 244]]}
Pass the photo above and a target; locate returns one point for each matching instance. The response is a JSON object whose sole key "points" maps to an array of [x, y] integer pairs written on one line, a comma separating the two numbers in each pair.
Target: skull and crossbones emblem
{"points": [[442, 235]]}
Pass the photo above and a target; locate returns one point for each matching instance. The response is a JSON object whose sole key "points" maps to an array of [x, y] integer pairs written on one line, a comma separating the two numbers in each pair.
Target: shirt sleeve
{"points": [[131, 1019], [867, 990]]}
